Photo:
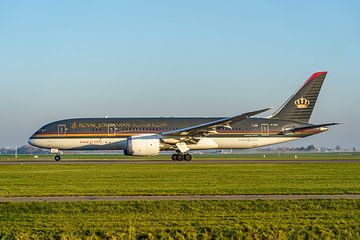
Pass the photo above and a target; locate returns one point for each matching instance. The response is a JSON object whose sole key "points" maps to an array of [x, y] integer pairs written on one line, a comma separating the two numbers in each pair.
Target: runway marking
{"points": [[66, 162], [175, 198]]}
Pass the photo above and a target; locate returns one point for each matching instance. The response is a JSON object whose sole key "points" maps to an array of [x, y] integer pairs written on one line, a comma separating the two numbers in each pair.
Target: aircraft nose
{"points": [[31, 141]]}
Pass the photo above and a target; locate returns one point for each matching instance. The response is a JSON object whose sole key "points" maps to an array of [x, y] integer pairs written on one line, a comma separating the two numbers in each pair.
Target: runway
{"points": [[175, 198], [66, 162]]}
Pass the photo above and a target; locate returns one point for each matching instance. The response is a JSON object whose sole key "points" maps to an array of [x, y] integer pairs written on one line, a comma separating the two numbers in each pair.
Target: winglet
{"points": [[245, 115], [257, 112]]}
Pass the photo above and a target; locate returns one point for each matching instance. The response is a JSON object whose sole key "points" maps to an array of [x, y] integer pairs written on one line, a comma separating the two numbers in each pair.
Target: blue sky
{"points": [[63, 59]]}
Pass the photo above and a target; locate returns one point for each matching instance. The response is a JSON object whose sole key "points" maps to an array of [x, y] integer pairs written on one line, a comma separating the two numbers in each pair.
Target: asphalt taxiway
{"points": [[175, 198]]}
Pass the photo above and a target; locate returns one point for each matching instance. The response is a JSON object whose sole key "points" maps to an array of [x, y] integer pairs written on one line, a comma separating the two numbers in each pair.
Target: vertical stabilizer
{"points": [[300, 105]]}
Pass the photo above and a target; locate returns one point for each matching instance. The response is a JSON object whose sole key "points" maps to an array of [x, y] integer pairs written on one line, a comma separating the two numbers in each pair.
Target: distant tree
{"points": [[310, 148], [27, 149], [338, 148]]}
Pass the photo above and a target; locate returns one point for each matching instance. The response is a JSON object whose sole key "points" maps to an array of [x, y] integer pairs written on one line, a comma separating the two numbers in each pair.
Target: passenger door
{"points": [[62, 130], [265, 129], [111, 129]]}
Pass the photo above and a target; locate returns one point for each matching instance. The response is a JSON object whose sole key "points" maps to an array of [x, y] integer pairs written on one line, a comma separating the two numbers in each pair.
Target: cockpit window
{"points": [[41, 130]]}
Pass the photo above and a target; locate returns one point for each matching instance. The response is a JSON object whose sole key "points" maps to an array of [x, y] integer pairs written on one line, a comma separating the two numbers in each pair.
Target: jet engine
{"points": [[142, 146]]}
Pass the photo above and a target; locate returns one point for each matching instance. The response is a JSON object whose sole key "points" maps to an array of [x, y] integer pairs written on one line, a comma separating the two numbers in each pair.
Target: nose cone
{"points": [[31, 141]]}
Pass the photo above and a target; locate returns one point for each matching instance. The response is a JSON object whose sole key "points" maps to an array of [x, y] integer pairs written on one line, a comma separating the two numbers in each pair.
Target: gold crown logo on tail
{"points": [[302, 103]]}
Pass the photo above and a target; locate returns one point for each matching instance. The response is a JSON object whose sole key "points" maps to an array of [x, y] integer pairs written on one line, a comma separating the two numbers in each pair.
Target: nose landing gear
{"points": [[57, 152], [57, 157]]}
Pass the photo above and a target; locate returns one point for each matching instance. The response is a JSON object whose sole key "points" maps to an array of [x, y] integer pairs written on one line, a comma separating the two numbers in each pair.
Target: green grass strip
{"points": [[300, 219], [178, 179], [119, 157]]}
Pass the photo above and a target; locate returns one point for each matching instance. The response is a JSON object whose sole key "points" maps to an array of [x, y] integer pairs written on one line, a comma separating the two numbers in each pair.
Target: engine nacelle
{"points": [[142, 146]]}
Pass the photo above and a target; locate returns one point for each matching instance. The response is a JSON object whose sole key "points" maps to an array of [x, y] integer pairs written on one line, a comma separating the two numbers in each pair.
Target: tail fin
{"points": [[301, 104]]}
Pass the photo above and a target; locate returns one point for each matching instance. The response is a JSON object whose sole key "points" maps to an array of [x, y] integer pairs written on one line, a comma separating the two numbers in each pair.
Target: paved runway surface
{"points": [[179, 162], [178, 198]]}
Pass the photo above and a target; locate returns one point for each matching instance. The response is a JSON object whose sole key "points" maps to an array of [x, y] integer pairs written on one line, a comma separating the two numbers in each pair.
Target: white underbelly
{"points": [[81, 143], [120, 143], [251, 142]]}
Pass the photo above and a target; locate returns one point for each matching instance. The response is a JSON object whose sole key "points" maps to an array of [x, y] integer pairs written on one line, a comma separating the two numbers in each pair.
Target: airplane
{"points": [[150, 136]]}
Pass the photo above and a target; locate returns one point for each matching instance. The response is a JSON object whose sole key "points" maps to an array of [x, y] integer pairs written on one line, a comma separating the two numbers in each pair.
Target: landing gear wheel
{"points": [[180, 157], [187, 157], [57, 158], [174, 157]]}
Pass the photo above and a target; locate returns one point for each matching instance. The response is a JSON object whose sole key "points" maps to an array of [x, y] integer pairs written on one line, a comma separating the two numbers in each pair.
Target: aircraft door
{"points": [[265, 129], [61, 129], [112, 130]]}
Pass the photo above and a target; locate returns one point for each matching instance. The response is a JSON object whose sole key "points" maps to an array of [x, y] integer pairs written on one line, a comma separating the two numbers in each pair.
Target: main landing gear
{"points": [[181, 157]]}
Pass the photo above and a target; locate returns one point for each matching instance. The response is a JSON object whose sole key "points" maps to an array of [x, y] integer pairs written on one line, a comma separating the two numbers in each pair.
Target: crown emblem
{"points": [[74, 125], [302, 103]]}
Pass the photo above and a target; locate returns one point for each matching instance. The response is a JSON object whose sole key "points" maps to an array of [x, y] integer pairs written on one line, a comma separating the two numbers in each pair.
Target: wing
{"points": [[210, 127]]}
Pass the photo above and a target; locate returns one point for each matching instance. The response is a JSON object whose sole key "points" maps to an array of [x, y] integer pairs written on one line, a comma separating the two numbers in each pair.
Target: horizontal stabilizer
{"points": [[297, 129]]}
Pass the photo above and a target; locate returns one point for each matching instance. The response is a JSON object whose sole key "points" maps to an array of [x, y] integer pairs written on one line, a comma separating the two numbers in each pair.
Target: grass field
{"points": [[113, 157], [178, 179], [305, 219], [271, 219]]}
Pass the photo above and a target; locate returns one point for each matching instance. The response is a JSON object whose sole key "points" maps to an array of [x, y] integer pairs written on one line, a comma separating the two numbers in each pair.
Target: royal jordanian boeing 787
{"points": [[149, 136]]}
